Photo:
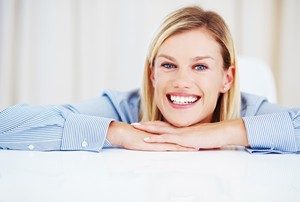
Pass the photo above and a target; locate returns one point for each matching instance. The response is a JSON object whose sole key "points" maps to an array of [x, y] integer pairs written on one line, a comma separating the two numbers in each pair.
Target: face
{"points": [[188, 77]]}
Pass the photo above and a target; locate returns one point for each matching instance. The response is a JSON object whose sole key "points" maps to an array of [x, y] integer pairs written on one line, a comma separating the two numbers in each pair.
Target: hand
{"points": [[127, 136], [200, 136]]}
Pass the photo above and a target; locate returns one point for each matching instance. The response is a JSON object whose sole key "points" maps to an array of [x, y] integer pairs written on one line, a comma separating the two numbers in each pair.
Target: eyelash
{"points": [[171, 66], [164, 65], [203, 67]]}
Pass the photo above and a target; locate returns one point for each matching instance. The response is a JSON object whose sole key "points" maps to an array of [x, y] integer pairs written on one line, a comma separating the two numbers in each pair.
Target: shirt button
{"points": [[30, 147], [84, 144]]}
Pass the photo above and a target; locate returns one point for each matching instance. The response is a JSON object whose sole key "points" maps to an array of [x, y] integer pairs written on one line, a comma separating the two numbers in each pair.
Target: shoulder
{"points": [[118, 97], [250, 103], [248, 99], [125, 103], [256, 105]]}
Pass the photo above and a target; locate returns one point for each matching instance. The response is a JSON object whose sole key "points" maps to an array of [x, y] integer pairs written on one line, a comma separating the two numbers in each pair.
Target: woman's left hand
{"points": [[200, 136]]}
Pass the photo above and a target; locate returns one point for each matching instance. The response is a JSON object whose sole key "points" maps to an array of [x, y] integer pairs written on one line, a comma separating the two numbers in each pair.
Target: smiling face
{"points": [[188, 77]]}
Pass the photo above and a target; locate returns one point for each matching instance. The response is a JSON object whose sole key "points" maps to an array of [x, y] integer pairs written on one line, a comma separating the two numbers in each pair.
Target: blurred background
{"points": [[64, 51]]}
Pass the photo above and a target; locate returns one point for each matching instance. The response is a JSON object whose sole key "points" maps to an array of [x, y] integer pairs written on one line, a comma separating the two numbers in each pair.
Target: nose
{"points": [[182, 79]]}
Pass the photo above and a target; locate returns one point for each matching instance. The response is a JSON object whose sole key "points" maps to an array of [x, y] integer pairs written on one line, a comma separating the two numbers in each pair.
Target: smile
{"points": [[182, 99]]}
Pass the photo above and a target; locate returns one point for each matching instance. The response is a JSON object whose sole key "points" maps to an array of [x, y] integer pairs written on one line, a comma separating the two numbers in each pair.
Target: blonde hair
{"points": [[182, 20]]}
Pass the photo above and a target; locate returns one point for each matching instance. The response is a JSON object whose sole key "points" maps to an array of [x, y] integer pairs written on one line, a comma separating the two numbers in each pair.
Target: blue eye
{"points": [[168, 65], [200, 67]]}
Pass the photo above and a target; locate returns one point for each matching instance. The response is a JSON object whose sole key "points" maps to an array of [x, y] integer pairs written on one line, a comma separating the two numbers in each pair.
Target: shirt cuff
{"points": [[107, 144], [270, 133], [83, 132]]}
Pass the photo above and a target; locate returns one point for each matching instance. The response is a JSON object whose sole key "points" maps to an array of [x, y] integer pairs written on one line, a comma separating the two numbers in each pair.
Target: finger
{"points": [[167, 147], [152, 128], [159, 147], [156, 123], [164, 138]]}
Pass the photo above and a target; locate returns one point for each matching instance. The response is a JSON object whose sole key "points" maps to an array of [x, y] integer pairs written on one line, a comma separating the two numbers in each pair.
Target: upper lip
{"points": [[182, 94]]}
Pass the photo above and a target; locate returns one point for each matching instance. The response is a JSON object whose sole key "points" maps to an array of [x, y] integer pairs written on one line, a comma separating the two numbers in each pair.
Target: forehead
{"points": [[191, 43]]}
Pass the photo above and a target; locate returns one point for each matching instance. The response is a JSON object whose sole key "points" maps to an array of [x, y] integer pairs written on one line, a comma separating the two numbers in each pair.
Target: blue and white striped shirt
{"points": [[270, 128]]}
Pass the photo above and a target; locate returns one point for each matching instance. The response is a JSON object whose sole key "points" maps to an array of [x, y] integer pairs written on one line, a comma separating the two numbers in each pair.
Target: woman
{"points": [[190, 101]]}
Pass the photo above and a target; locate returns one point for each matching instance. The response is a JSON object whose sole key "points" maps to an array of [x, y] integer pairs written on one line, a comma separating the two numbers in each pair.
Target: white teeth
{"points": [[183, 100]]}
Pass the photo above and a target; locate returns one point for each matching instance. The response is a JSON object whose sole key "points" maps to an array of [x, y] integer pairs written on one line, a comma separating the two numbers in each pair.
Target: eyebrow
{"points": [[202, 58], [192, 59], [167, 56]]}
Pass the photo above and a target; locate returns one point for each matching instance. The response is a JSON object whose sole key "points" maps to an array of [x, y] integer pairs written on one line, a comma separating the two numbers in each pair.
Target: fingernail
{"points": [[135, 124], [146, 139]]}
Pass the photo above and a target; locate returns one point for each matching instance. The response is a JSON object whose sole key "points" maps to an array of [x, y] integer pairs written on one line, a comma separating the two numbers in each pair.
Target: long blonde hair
{"points": [[182, 20]]}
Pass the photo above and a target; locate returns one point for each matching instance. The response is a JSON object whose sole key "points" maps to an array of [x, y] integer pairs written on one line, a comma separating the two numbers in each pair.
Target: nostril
{"points": [[181, 84]]}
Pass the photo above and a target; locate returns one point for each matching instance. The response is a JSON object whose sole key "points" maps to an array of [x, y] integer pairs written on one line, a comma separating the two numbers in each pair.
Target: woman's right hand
{"points": [[128, 137]]}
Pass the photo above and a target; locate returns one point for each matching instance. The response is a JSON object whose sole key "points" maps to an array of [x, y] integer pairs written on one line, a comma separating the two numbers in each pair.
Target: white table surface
{"points": [[124, 175]]}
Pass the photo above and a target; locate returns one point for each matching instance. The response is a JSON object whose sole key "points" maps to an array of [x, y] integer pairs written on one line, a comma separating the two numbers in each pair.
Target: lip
{"points": [[181, 106]]}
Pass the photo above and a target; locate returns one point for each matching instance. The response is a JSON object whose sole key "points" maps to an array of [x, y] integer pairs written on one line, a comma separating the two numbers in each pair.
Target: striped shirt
{"points": [[83, 126]]}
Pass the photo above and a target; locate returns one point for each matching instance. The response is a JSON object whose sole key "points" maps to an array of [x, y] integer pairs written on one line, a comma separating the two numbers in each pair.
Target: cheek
{"points": [[159, 85], [211, 85], [211, 91], [159, 81]]}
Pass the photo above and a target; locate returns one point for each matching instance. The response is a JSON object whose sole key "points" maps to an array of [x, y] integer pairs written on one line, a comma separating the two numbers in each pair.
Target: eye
{"points": [[168, 65], [200, 67]]}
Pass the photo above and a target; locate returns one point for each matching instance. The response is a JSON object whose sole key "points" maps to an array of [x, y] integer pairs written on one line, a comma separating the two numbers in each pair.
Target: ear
{"points": [[228, 79]]}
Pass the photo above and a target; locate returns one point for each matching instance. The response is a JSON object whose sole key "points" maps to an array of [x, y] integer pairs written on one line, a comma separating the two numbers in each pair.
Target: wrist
{"points": [[236, 133], [113, 133]]}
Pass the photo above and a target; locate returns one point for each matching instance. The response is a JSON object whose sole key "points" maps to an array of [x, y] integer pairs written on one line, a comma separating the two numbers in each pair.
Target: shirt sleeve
{"points": [[273, 129], [63, 127]]}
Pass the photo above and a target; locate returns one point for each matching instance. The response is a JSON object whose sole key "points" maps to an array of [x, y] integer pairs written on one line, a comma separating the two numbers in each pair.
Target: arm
{"points": [[264, 128], [81, 126], [45, 128], [277, 132], [270, 128], [200, 136]]}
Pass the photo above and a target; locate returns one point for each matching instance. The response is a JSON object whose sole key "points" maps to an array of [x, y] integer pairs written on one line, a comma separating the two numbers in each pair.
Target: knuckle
{"points": [[159, 138], [153, 128]]}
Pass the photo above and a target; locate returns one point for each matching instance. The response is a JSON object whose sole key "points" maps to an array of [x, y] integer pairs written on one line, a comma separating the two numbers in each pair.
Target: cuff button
{"points": [[84, 144], [30, 147]]}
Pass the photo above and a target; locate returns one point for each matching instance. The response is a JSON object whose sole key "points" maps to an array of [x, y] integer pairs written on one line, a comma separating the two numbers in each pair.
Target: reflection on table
{"points": [[124, 175]]}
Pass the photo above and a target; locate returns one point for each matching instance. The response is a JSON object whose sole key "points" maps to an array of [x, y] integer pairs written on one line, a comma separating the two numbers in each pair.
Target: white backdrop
{"points": [[62, 51]]}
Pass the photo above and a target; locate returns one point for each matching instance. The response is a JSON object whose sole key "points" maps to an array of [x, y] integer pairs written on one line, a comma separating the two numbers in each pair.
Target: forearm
{"points": [[114, 132], [233, 132], [273, 133], [47, 128]]}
